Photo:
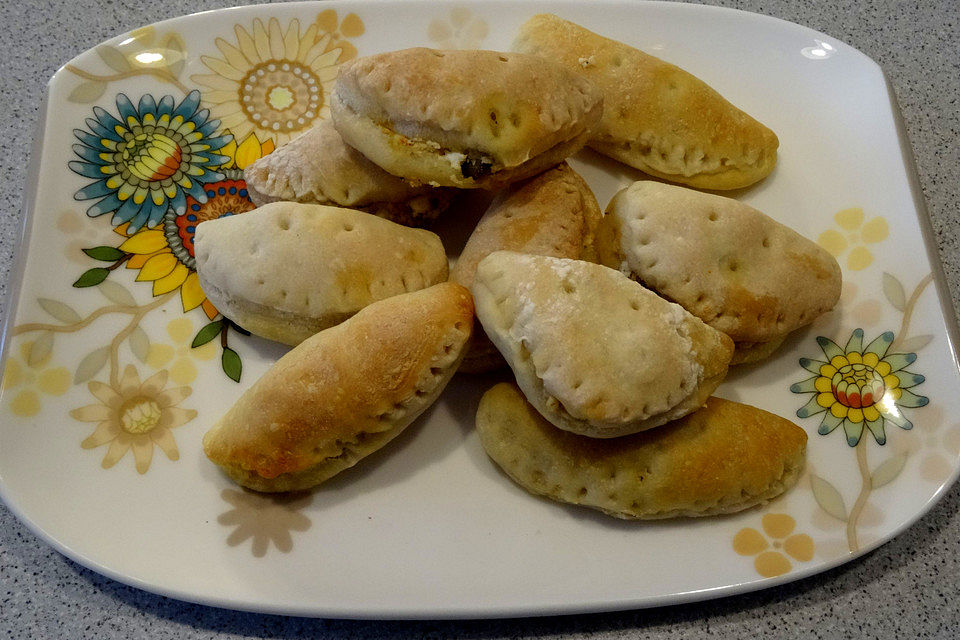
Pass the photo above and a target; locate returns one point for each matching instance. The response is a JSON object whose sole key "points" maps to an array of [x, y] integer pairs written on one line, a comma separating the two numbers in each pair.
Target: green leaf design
{"points": [[87, 91], [914, 343], [828, 498], [175, 57], [104, 254], [898, 361], [880, 344], [143, 35], [92, 277], [893, 290], [854, 431], [91, 365], [829, 423], [113, 57], [812, 408], [911, 399], [231, 364], [855, 343], [888, 470], [807, 386], [207, 333], [40, 348], [829, 347], [117, 294], [813, 366], [59, 310], [139, 343]]}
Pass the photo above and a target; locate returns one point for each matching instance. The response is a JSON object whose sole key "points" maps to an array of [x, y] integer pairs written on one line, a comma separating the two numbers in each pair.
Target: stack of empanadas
{"points": [[599, 356], [553, 214], [318, 167], [617, 327]]}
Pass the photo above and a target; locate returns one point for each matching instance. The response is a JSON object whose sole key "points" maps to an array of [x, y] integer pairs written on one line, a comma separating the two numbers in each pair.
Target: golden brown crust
{"points": [[345, 392], [730, 265], [318, 167], [657, 117], [552, 214], [468, 119], [723, 458], [750, 352], [351, 259], [595, 352]]}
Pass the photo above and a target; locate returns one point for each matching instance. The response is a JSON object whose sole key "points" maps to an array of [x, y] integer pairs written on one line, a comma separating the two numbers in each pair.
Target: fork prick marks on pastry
{"points": [[595, 352]]}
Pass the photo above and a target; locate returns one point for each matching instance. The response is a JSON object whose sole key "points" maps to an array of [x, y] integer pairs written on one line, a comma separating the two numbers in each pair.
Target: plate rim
{"points": [[371, 611]]}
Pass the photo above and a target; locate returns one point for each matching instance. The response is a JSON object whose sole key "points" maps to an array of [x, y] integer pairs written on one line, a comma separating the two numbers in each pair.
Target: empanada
{"points": [[287, 270], [552, 214], [595, 352], [318, 167], [463, 119], [657, 117], [724, 458], [345, 392], [736, 269]]}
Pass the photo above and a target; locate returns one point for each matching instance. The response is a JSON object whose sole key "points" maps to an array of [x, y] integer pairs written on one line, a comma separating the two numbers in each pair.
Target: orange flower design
{"points": [[776, 562]]}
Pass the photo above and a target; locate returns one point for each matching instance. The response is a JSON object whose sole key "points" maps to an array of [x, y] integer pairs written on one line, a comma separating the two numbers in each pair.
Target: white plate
{"points": [[429, 527]]}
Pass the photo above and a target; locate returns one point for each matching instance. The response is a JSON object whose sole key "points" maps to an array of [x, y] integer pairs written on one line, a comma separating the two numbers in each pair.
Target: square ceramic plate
{"points": [[104, 401]]}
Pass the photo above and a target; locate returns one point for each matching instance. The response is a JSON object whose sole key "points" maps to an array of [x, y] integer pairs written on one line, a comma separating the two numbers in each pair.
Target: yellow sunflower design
{"points": [[860, 386], [135, 416], [275, 81], [30, 377]]}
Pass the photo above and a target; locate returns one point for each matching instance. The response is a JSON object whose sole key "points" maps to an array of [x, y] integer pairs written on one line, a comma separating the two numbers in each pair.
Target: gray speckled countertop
{"points": [[908, 588]]}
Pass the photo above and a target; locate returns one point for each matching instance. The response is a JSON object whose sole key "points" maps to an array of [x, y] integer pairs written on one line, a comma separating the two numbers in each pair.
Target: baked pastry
{"points": [[657, 117], [595, 352], [552, 214], [736, 269], [345, 392], [468, 119], [286, 270], [724, 458], [318, 167]]}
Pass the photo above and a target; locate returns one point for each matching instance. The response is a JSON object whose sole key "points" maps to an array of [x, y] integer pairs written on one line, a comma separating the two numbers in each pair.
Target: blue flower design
{"points": [[149, 160]]}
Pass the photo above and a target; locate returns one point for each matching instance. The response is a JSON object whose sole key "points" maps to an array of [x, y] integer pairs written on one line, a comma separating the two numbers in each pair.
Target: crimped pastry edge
{"points": [[267, 322], [789, 477], [367, 442], [749, 352], [656, 157], [424, 161], [553, 410], [791, 474]]}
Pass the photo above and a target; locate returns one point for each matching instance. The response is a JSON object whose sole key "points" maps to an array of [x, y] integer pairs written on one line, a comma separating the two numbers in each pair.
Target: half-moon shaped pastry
{"points": [[318, 167], [463, 119], [595, 352], [552, 214], [724, 458], [286, 270], [733, 267], [657, 117], [345, 392]]}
